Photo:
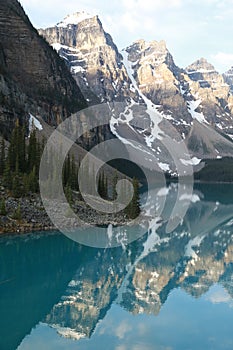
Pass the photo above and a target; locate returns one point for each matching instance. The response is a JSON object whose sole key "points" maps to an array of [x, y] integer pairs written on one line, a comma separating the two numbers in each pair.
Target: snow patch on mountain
{"points": [[192, 106], [68, 332], [202, 71], [34, 123], [195, 242], [192, 198], [156, 118], [74, 19], [193, 161]]}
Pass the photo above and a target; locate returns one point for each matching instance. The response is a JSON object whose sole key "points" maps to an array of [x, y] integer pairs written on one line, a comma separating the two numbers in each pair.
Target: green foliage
{"points": [[17, 214], [16, 186], [20, 173], [20, 169], [3, 211], [68, 194], [7, 176], [103, 186], [133, 209], [2, 157], [32, 180], [114, 184], [33, 153], [17, 149]]}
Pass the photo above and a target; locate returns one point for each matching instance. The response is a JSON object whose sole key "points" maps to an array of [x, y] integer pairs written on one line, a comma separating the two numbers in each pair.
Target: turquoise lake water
{"points": [[175, 292]]}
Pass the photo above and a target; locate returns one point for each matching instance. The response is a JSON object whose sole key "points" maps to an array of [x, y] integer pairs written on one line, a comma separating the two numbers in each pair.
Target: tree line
{"points": [[19, 172]]}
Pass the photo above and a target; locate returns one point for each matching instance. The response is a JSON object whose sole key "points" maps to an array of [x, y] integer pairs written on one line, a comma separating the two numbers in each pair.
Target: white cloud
{"points": [[150, 5], [223, 59], [131, 23], [219, 296], [121, 347], [122, 329]]}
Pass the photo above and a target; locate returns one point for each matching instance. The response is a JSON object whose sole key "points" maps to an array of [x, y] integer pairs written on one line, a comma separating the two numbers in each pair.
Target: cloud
{"points": [[121, 347], [219, 296], [223, 59], [149, 5], [123, 329]]}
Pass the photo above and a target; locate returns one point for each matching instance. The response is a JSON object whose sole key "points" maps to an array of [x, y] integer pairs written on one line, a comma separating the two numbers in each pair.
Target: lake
{"points": [[172, 292]]}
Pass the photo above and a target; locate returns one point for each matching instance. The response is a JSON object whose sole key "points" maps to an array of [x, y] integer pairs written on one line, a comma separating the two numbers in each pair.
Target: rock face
{"points": [[32, 76], [175, 90], [196, 101], [159, 79], [92, 57], [228, 76], [210, 87]]}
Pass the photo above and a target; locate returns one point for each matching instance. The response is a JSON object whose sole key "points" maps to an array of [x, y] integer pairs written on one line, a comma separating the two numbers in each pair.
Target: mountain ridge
{"points": [[146, 75]]}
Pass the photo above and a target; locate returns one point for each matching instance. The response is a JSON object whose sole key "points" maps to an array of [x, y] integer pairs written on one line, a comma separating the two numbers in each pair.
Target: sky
{"points": [[191, 28]]}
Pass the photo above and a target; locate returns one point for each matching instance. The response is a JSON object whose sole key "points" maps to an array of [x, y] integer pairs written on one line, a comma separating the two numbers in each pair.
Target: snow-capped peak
{"points": [[75, 19]]}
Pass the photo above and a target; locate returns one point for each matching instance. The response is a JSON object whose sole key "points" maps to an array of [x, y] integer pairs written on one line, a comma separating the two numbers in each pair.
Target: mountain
{"points": [[33, 78], [228, 76], [92, 57], [156, 93]]}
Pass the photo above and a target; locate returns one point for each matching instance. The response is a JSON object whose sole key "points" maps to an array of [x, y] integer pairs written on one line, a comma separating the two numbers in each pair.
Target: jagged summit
{"points": [[92, 57], [74, 19], [151, 52], [201, 66], [145, 44], [229, 72]]}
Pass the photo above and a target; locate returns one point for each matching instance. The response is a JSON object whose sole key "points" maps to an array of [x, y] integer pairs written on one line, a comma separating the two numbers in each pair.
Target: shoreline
{"points": [[33, 216]]}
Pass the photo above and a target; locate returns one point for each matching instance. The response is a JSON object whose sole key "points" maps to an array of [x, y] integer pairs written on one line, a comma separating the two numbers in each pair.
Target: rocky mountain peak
{"points": [[155, 52], [205, 74], [145, 73], [92, 57], [201, 66], [80, 31], [75, 19]]}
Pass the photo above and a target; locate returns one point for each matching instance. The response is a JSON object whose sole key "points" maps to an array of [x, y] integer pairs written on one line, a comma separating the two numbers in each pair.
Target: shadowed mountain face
{"points": [[32, 76], [70, 287]]}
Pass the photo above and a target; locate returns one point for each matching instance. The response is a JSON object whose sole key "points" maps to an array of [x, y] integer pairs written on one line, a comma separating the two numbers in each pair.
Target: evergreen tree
{"points": [[73, 174], [136, 199], [7, 175], [16, 152], [67, 171], [105, 186], [68, 194], [3, 207], [33, 185], [133, 209], [100, 185], [114, 184], [21, 146], [16, 186], [2, 157], [17, 214], [32, 152]]}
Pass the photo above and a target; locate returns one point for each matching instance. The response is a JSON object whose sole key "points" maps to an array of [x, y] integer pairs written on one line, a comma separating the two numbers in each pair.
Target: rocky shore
{"points": [[27, 214]]}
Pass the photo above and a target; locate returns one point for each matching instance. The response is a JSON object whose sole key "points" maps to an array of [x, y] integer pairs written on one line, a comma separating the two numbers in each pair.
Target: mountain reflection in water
{"points": [[50, 279]]}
